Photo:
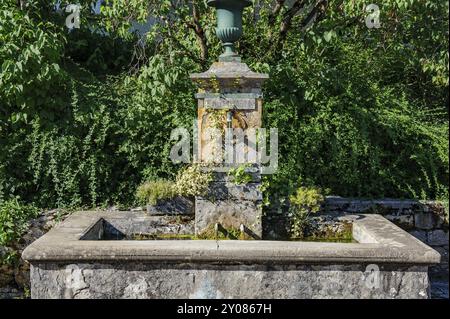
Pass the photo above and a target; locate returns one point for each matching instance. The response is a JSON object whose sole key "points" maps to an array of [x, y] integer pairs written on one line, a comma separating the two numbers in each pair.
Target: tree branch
{"points": [[186, 51], [275, 12], [316, 14], [21, 4], [199, 33], [287, 19]]}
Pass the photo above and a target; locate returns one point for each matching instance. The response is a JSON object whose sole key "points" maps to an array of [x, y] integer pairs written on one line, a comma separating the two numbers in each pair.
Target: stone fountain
{"points": [[230, 88], [92, 254]]}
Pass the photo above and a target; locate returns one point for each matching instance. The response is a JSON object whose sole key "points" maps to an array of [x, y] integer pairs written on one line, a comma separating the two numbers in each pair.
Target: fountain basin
{"points": [[80, 258]]}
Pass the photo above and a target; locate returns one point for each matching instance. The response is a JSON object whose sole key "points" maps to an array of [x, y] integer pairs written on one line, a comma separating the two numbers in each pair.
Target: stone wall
{"points": [[427, 221], [137, 280]]}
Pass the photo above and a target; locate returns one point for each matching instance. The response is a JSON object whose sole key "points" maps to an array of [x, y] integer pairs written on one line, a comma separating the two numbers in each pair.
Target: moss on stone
{"points": [[330, 235]]}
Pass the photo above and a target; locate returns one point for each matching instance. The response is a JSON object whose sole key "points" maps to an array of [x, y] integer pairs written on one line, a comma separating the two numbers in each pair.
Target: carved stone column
{"points": [[230, 102]]}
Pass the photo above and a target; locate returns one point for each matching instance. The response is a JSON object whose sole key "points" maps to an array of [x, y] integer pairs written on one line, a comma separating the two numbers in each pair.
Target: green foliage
{"points": [[154, 191], [239, 175], [304, 202], [9, 258], [446, 207], [102, 134], [192, 181], [357, 113], [26, 293], [30, 57], [86, 115], [14, 219], [121, 14]]}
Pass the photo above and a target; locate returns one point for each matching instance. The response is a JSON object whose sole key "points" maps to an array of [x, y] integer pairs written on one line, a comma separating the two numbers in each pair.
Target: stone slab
{"points": [[212, 281], [437, 237], [175, 206], [230, 191], [228, 103], [379, 241], [229, 213]]}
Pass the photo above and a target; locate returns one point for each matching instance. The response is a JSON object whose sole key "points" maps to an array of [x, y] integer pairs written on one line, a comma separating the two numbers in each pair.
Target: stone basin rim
{"points": [[380, 241], [37, 257]]}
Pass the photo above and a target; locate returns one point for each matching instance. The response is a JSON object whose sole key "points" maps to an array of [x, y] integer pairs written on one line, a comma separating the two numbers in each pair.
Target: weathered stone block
{"points": [[231, 205], [234, 90], [420, 235], [254, 173], [383, 206], [426, 221], [230, 191], [440, 271], [229, 214], [404, 221], [176, 206], [208, 281], [437, 238], [233, 103]]}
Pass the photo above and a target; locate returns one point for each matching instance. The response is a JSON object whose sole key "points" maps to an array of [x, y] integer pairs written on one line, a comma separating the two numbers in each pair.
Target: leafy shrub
{"points": [[14, 219], [30, 57], [239, 175], [154, 191], [193, 181], [190, 181], [304, 202]]}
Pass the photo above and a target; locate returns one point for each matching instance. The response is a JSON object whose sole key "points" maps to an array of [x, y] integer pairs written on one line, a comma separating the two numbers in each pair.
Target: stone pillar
{"points": [[229, 96]]}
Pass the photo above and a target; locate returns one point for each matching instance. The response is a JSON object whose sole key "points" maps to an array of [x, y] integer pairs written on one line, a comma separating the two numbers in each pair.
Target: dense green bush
{"points": [[304, 202], [153, 191], [363, 112], [14, 218], [190, 181], [86, 115]]}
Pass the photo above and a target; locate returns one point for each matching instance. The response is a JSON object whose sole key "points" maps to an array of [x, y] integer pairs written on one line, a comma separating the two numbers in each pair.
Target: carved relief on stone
{"points": [[212, 125]]}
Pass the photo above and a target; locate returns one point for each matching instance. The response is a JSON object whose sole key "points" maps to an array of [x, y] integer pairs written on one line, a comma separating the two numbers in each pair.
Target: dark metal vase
{"points": [[229, 24]]}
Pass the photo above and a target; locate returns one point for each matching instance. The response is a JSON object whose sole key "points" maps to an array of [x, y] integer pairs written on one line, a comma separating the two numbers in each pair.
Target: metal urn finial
{"points": [[229, 25]]}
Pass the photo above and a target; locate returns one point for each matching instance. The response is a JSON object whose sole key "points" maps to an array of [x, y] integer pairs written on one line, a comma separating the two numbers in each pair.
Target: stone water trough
{"points": [[91, 255]]}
